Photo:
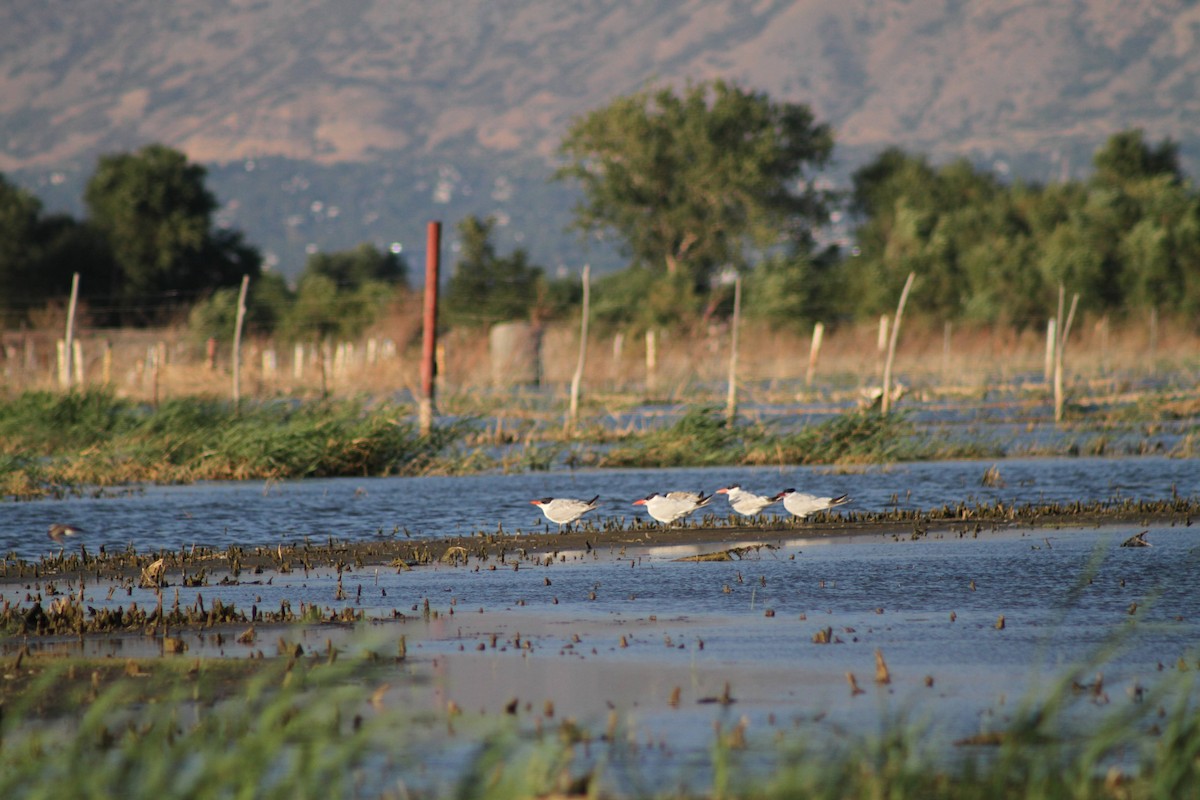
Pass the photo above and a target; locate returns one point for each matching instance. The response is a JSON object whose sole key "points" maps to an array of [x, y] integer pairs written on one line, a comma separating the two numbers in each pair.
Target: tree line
{"points": [[695, 185]]}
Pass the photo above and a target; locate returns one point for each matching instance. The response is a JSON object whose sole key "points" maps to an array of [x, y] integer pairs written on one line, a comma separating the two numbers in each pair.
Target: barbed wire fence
{"points": [[830, 362]]}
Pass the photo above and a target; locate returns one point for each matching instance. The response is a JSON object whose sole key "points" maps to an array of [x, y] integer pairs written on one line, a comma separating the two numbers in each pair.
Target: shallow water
{"points": [[265, 513], [619, 631]]}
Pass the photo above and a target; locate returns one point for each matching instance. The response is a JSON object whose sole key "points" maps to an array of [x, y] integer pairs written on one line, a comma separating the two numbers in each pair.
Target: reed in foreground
{"points": [[313, 725]]}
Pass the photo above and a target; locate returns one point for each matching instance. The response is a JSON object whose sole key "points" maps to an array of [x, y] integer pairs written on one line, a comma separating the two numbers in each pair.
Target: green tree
{"points": [[486, 288], [20, 212], [341, 294], [156, 214], [688, 182], [268, 301], [38, 254], [1126, 156], [918, 218], [355, 267]]}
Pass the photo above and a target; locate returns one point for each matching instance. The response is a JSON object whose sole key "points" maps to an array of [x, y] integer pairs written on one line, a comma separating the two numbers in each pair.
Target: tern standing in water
{"points": [[666, 508], [564, 510], [748, 504], [803, 505]]}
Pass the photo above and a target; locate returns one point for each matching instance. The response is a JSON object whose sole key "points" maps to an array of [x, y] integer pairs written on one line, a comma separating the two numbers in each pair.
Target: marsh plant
{"points": [[319, 726], [703, 436], [54, 443]]}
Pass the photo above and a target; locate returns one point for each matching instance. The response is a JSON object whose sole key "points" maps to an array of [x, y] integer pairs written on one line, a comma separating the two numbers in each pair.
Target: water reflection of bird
{"points": [[746, 503], [673, 505], [803, 505], [564, 510], [59, 531]]}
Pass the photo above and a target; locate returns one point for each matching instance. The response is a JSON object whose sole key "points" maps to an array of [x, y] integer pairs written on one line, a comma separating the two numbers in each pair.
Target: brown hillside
{"points": [[340, 81]]}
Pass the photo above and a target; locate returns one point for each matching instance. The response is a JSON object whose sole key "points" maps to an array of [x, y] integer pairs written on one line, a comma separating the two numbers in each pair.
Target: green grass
{"points": [[319, 726], [704, 437], [58, 443]]}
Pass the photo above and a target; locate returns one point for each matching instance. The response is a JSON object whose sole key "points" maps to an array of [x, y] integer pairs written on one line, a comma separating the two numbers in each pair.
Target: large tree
{"points": [[688, 181], [485, 287], [156, 213], [341, 294], [353, 268], [20, 213], [38, 253]]}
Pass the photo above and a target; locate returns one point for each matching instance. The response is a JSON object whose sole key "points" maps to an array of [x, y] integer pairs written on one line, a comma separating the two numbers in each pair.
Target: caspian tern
{"points": [[746, 503], [673, 505], [803, 505], [58, 531], [564, 510]]}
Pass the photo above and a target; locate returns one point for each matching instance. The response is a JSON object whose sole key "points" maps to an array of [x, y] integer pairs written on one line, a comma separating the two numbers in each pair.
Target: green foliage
{"points": [[688, 181], [643, 299], [38, 254], [359, 266], [49, 422], [1126, 157], [340, 294], [19, 215], [486, 288], [792, 291], [213, 732], [268, 300], [156, 214], [862, 437], [1128, 239], [703, 437], [97, 440]]}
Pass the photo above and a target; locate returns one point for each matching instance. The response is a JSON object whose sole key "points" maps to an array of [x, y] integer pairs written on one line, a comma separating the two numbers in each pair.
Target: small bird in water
{"points": [[673, 505], [1137, 540], [803, 505], [746, 503], [59, 531], [564, 510]]}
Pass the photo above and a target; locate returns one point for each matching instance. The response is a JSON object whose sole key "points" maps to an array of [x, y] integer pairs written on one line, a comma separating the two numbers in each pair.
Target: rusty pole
{"points": [[429, 351]]}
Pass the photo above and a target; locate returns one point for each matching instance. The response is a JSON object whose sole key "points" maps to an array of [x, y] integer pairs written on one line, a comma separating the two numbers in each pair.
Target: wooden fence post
{"points": [[891, 353], [577, 378], [947, 329], [1060, 346], [814, 353], [731, 397], [1051, 348], [1153, 340], [651, 362], [425, 408], [237, 343], [69, 341]]}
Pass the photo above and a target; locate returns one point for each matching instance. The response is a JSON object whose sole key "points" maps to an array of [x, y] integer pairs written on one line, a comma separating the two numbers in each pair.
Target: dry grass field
{"points": [[933, 361]]}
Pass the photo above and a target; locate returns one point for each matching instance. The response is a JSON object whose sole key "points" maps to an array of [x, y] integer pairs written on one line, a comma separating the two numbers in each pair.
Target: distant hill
{"points": [[329, 122]]}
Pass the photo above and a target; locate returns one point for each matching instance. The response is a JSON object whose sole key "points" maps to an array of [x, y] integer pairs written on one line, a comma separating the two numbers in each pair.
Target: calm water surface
{"points": [[251, 513], [620, 630]]}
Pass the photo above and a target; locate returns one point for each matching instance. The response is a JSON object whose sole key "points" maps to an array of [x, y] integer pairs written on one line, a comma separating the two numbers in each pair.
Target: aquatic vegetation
{"points": [[704, 437], [329, 722], [94, 439]]}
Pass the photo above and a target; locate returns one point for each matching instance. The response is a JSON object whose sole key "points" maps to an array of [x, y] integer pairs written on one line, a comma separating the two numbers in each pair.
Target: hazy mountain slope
{"points": [[479, 86], [332, 80]]}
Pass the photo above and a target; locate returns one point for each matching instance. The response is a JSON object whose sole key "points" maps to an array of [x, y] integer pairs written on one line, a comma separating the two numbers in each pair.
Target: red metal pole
{"points": [[433, 241]]}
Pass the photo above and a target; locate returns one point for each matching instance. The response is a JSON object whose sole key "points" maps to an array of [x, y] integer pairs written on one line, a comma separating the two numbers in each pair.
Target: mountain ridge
{"points": [[475, 86]]}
